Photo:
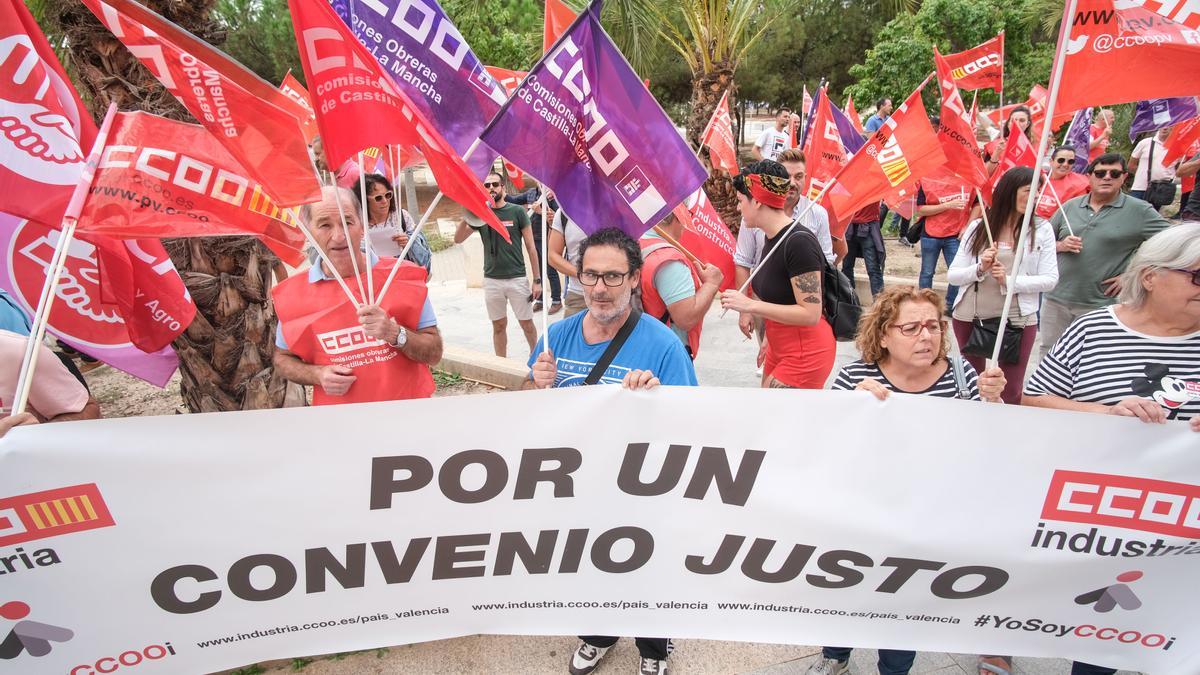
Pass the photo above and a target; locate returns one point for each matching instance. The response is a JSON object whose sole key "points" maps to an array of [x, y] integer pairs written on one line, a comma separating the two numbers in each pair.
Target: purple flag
{"points": [[851, 139], [812, 112], [78, 317], [426, 56], [1161, 112], [583, 123], [1079, 136]]}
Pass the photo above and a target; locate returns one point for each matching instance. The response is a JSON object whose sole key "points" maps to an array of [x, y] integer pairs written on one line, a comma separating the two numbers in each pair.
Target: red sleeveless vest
{"points": [[322, 328], [943, 188], [655, 254]]}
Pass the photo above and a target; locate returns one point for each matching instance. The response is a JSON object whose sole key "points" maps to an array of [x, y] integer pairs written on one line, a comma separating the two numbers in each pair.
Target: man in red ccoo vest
{"points": [[349, 354]]}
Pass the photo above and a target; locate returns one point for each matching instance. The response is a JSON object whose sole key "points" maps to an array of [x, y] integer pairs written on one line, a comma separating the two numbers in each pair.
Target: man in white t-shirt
{"points": [[1140, 165], [771, 142]]}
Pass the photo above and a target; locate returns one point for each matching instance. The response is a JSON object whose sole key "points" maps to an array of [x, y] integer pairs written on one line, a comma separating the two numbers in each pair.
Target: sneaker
{"points": [[555, 307], [653, 667], [825, 666], [537, 305], [905, 242], [586, 658]]}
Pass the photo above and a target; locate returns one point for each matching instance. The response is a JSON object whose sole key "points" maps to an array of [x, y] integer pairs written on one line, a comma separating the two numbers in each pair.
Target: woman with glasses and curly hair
{"points": [[787, 285], [904, 347]]}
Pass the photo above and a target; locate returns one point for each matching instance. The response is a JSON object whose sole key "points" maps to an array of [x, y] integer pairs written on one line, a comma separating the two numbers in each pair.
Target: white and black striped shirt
{"points": [[1101, 360], [945, 387]]}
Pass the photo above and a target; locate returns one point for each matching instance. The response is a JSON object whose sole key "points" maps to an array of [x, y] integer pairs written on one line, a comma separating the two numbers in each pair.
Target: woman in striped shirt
{"points": [[1139, 358], [904, 346]]}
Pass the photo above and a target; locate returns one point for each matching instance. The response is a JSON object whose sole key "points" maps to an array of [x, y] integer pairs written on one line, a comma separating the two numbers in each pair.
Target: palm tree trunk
{"points": [[707, 90], [225, 355]]}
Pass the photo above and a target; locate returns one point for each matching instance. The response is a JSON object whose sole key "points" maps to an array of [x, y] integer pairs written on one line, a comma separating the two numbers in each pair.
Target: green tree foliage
{"points": [[259, 34], [503, 33], [903, 52], [796, 50]]}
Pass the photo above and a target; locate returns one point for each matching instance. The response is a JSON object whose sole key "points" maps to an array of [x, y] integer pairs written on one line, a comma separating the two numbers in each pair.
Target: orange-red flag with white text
{"points": [[955, 131], [718, 136], [980, 67]]}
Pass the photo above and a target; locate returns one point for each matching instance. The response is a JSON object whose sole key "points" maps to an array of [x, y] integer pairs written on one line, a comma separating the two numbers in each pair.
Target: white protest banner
{"points": [[202, 542]]}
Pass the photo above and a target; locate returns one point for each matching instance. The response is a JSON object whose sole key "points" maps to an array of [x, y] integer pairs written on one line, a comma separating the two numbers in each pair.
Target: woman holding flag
{"points": [[994, 150], [1063, 185], [800, 344], [983, 269]]}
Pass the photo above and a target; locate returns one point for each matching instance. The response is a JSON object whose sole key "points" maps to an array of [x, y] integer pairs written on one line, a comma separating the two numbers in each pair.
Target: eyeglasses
{"points": [[934, 326], [1107, 173], [382, 197], [1064, 160], [491, 185], [1195, 275], [611, 279]]}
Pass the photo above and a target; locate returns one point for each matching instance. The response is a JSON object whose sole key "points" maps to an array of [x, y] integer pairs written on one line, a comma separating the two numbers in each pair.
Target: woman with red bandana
{"points": [[787, 285]]}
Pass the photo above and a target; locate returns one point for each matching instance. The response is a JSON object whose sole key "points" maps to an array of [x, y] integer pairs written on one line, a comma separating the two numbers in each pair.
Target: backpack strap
{"points": [[614, 347]]}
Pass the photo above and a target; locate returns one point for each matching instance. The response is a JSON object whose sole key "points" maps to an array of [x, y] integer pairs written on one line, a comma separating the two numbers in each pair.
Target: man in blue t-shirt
{"points": [[610, 265], [883, 110]]}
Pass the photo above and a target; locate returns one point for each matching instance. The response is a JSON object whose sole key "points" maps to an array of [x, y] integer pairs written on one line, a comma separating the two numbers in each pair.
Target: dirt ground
{"points": [[122, 395]]}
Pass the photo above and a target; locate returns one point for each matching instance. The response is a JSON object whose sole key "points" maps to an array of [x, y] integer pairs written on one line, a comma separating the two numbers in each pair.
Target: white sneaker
{"points": [[824, 666], [653, 667], [586, 658]]}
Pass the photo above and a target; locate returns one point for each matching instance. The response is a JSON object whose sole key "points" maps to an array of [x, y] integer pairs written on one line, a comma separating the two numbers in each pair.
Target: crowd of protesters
{"points": [[1111, 287]]}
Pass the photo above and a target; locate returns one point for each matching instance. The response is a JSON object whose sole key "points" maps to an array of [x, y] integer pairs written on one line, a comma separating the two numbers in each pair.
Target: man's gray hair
{"points": [[1175, 248], [343, 193]]}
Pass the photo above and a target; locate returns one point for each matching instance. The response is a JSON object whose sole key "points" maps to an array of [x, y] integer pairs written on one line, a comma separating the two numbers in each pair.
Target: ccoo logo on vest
{"points": [[346, 340]]}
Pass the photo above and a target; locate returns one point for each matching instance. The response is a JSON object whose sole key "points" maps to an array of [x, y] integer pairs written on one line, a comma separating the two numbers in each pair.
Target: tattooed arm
{"points": [[806, 311]]}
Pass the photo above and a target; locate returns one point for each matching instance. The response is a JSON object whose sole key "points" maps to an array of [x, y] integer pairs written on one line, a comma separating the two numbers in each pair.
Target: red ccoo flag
{"points": [[718, 136], [1018, 151], [44, 129], [980, 67], [148, 157], [1118, 55], [257, 123], [559, 18], [358, 106], [292, 88], [895, 158], [853, 115], [1185, 12], [705, 235], [956, 133], [1182, 138], [826, 155]]}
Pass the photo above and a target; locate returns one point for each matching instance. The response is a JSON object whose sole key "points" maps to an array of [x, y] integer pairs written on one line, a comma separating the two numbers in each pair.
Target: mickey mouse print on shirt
{"points": [[1170, 392]]}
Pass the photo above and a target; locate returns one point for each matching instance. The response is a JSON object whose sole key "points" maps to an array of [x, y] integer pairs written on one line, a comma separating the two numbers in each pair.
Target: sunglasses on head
{"points": [[382, 197], [491, 185], [1107, 173]]}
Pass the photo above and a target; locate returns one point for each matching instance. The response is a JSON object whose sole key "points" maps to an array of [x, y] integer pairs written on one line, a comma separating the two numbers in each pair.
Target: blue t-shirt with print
{"points": [[651, 346]]}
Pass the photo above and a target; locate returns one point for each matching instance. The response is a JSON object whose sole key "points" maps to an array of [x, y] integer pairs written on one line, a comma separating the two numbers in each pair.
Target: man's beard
{"points": [[619, 305]]}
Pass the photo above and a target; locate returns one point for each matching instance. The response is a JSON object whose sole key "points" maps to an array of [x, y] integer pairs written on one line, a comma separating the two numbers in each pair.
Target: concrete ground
{"points": [[726, 359]]}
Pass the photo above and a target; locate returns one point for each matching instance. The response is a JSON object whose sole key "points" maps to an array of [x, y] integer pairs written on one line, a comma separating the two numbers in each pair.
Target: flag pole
{"points": [[543, 271], [41, 316], [983, 214], [346, 231], [421, 223], [666, 236], [1058, 199], [1052, 100], [366, 226]]}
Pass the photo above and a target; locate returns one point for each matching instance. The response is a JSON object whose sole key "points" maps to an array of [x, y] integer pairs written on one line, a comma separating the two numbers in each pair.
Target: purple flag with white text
{"points": [[1079, 136], [583, 124], [1161, 112], [426, 56]]}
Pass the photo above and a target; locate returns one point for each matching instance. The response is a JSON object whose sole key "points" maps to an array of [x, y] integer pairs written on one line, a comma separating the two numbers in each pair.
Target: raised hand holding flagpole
{"points": [[41, 316]]}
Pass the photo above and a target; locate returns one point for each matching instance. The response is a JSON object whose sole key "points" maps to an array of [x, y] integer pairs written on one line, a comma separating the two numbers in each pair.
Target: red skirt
{"points": [[800, 356]]}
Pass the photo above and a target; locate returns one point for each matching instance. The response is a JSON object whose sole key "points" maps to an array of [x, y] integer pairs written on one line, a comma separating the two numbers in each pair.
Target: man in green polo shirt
{"points": [[504, 281], [1105, 228]]}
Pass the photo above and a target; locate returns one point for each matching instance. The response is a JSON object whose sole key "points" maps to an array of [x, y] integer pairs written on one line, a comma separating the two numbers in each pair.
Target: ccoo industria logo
{"points": [[39, 515]]}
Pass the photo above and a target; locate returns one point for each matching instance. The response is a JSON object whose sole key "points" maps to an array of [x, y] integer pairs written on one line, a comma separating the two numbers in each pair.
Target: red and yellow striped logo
{"points": [[39, 515]]}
